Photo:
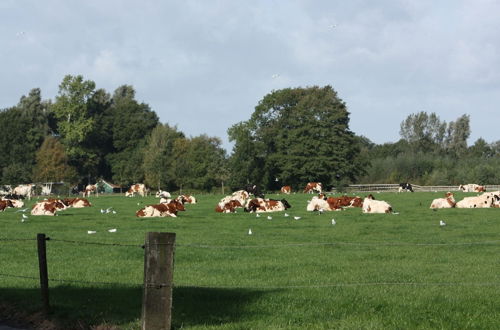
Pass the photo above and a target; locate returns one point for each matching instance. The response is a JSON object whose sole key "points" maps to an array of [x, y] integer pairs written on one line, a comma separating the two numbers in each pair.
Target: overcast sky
{"points": [[204, 65]]}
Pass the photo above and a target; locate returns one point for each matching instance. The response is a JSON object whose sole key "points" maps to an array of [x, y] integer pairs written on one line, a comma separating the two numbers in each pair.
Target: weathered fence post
{"points": [[158, 277], [44, 277]]}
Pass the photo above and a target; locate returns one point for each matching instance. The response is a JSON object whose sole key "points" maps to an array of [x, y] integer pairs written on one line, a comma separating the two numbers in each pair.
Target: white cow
{"points": [[163, 194], [25, 190], [370, 205], [316, 203], [482, 201]]}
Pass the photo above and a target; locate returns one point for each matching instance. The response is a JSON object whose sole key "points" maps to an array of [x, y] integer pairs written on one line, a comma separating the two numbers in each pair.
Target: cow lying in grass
{"points": [[161, 210], [444, 203], [483, 201], [321, 202], [370, 205], [259, 205]]}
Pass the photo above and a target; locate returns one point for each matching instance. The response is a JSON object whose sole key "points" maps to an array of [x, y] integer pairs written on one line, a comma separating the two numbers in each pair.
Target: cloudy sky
{"points": [[204, 65]]}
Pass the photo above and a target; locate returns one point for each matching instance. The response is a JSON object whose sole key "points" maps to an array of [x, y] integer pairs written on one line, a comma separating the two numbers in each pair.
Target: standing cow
{"points": [[138, 188], [24, 190]]}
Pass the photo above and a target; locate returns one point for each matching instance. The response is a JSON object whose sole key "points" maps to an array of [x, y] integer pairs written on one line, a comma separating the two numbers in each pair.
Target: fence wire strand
{"points": [[271, 287]]}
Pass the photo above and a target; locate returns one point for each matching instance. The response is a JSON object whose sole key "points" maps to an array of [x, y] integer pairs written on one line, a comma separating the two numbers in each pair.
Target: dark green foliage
{"points": [[199, 163], [23, 128], [296, 135]]}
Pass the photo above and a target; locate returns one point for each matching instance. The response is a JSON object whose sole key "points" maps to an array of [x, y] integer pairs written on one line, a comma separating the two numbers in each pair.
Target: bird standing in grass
{"points": [[442, 223], [250, 231], [269, 217], [296, 218], [334, 222]]}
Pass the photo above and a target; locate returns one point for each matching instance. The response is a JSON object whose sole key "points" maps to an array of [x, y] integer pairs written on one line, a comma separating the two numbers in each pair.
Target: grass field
{"points": [[369, 271]]}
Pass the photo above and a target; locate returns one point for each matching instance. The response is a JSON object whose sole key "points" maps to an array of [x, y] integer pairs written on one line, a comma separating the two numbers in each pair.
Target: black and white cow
{"points": [[405, 187], [254, 190]]}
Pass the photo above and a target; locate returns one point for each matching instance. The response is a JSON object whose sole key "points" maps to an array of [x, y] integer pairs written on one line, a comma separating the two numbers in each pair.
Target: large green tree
{"points": [[295, 136], [131, 123]]}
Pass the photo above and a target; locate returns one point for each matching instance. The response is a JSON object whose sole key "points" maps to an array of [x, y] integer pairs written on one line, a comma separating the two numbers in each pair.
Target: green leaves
{"points": [[297, 135]]}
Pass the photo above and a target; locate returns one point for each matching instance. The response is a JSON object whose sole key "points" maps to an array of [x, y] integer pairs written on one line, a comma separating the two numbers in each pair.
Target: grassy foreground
{"points": [[376, 271]]}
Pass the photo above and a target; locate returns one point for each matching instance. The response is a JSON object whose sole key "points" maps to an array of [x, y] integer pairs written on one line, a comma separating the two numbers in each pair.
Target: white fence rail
{"points": [[394, 187]]}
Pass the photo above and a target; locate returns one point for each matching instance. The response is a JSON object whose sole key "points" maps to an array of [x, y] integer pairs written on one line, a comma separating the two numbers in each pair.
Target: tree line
{"points": [[294, 135]]}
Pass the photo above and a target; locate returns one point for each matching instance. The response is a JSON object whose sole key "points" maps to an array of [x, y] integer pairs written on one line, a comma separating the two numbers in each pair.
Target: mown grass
{"points": [[376, 271]]}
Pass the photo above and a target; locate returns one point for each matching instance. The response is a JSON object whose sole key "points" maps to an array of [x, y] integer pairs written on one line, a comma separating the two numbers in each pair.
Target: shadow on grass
{"points": [[76, 308]]}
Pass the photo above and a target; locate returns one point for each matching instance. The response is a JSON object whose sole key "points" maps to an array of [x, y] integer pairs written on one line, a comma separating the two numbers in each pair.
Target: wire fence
{"points": [[394, 187], [265, 246]]}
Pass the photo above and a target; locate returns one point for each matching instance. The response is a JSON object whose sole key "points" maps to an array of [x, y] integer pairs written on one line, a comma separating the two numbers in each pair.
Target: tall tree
{"points": [[457, 134], [132, 122], [71, 109], [423, 131], [300, 135], [158, 156]]}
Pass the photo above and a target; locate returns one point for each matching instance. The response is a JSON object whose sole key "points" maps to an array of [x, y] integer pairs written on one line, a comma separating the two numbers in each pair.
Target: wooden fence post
{"points": [[44, 277], [158, 278]]}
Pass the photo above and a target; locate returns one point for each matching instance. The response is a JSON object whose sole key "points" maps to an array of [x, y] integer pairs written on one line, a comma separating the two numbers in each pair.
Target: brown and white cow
{"points": [[471, 187], [259, 205], [186, 199], [444, 203], [161, 210], [5, 204], [286, 190], [138, 188], [321, 202], [228, 207], [370, 205], [312, 187], [77, 202], [47, 208], [15, 202]]}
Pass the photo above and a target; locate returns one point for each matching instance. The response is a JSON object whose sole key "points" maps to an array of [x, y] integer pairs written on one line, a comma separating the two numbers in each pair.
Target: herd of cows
{"points": [[250, 199]]}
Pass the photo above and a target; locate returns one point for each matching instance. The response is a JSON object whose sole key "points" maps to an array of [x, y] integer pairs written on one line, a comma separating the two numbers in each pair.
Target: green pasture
{"points": [[369, 271]]}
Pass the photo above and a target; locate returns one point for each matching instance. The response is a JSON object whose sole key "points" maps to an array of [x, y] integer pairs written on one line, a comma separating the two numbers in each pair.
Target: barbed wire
{"points": [[209, 246], [339, 243], [66, 280], [269, 287], [330, 285]]}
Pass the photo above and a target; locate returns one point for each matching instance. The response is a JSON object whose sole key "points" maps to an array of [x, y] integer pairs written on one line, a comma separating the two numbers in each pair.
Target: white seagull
{"points": [[114, 212], [25, 216], [112, 230], [334, 222], [102, 211], [287, 215], [269, 217], [250, 231], [257, 215], [91, 232], [442, 223], [296, 218]]}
